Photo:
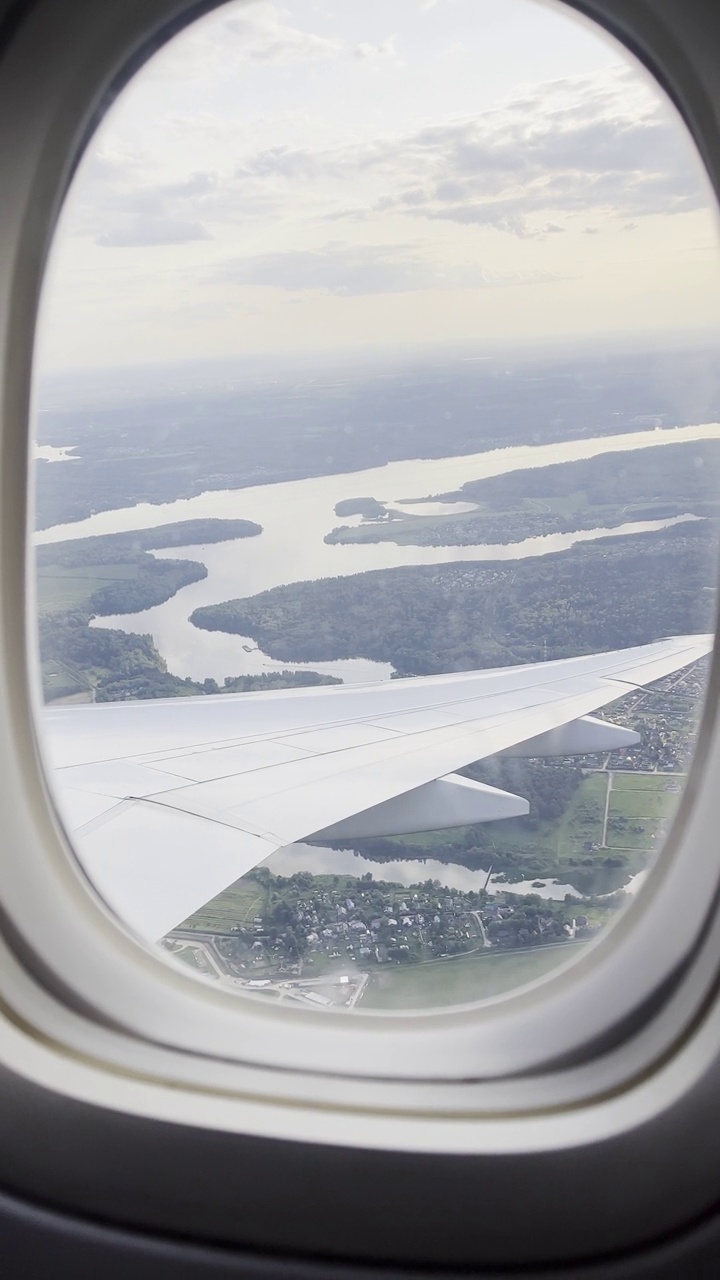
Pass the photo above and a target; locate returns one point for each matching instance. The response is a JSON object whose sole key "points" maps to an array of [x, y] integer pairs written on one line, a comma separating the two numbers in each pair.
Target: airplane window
{"points": [[377, 448]]}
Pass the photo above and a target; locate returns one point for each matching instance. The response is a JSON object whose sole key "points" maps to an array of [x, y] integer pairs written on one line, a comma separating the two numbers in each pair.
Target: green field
{"points": [[66, 587], [554, 841], [458, 981], [565, 837], [645, 781], [642, 803], [640, 807], [571, 848], [62, 680], [636, 835], [642, 800], [236, 905], [187, 955]]}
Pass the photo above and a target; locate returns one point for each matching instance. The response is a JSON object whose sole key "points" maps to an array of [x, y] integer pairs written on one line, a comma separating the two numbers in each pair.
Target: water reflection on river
{"points": [[395, 481], [240, 569], [296, 516], [432, 508], [329, 862]]}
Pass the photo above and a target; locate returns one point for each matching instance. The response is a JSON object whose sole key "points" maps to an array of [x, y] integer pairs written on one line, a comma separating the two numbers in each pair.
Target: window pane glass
{"points": [[376, 345]]}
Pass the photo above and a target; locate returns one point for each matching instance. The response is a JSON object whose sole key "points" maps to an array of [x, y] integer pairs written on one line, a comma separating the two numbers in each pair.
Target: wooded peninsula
{"points": [[607, 594], [599, 493]]}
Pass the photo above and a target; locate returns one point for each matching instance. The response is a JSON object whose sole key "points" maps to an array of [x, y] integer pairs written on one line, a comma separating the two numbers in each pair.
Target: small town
{"points": [[665, 716], [325, 940], [316, 927]]}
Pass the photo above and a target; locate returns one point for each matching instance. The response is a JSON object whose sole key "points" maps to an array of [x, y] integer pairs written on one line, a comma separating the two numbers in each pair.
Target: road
{"points": [[485, 940], [609, 777], [283, 988]]}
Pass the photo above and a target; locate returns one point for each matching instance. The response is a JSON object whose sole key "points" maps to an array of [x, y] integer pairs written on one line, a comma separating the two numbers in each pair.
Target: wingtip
{"points": [[703, 641]]}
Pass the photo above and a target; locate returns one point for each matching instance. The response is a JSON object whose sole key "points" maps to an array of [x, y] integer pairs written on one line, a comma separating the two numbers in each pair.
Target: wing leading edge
{"points": [[169, 802]]}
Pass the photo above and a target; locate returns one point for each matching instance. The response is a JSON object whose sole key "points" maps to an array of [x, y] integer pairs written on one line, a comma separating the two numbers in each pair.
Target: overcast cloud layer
{"points": [[598, 145], [272, 152]]}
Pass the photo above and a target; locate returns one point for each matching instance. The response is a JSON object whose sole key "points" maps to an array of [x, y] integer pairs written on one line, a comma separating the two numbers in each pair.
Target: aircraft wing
{"points": [[169, 802]]}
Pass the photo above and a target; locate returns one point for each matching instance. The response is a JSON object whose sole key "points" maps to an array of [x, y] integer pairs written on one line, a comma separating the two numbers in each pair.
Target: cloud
{"points": [[345, 270], [586, 147], [599, 144], [262, 35], [285, 162], [383, 49], [117, 201], [503, 215], [200, 183], [247, 32], [500, 172], [357, 270], [145, 231], [121, 207]]}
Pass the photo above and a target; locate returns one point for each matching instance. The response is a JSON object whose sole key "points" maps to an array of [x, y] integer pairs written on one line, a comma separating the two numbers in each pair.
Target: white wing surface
{"points": [[168, 802]]}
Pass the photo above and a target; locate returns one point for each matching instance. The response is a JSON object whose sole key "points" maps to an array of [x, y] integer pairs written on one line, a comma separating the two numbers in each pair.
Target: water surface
{"points": [[407, 871], [296, 515]]}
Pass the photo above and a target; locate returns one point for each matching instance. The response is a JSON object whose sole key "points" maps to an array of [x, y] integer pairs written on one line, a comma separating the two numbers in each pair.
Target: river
{"points": [[52, 453], [345, 862], [296, 515]]}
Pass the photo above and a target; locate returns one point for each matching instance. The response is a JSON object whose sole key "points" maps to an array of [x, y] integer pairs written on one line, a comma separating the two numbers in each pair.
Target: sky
{"points": [[322, 177]]}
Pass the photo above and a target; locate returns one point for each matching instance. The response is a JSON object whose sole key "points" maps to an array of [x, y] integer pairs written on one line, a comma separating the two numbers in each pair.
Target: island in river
{"points": [[598, 493]]}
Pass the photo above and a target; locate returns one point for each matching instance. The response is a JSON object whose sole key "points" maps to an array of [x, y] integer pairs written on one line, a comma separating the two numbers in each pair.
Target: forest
{"points": [[155, 582], [108, 548], [110, 665], [115, 572], [428, 619], [159, 683], [369, 508]]}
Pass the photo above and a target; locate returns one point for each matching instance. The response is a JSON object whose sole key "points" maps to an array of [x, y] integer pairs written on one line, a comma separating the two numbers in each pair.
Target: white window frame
{"points": [[599, 1050]]}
